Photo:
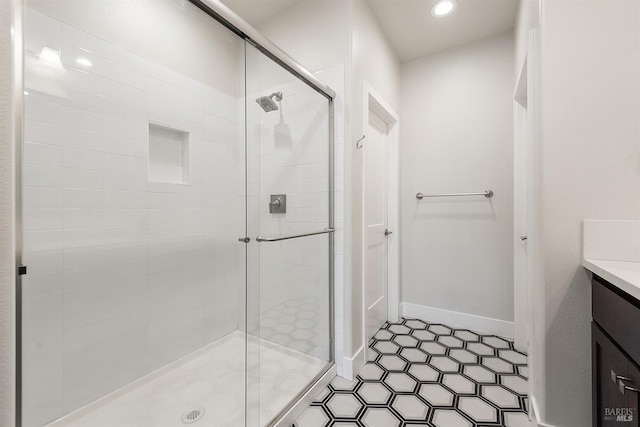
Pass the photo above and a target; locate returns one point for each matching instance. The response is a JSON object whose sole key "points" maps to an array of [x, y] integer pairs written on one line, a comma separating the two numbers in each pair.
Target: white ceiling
{"points": [[256, 11], [414, 32], [408, 24]]}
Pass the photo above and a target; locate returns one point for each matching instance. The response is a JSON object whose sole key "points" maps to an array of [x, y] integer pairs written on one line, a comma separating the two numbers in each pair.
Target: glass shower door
{"points": [[133, 187], [288, 220]]}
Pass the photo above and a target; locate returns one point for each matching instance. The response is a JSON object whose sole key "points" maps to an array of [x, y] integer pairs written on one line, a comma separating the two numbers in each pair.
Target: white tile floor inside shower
{"points": [[213, 379]]}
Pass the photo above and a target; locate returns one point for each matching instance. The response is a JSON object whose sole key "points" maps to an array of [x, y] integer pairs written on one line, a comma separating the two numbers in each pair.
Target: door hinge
{"points": [[22, 270]]}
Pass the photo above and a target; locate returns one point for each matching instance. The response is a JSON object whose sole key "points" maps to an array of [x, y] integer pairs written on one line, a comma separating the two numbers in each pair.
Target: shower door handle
{"points": [[294, 236], [244, 239]]}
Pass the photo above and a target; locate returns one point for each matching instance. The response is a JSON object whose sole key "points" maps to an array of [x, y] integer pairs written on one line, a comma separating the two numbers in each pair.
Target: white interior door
{"points": [[528, 294], [521, 212], [376, 219]]}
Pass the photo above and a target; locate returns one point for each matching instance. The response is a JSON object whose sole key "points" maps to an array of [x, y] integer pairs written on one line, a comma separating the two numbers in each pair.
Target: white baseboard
{"points": [[456, 319], [533, 408], [352, 365], [534, 412]]}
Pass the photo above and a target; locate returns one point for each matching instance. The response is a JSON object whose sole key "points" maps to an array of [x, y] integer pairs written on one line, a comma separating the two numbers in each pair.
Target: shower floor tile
{"points": [[428, 374], [212, 378]]}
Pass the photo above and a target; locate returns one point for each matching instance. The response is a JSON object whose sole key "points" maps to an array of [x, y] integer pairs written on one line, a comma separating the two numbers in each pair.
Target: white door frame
{"points": [[529, 300], [372, 101]]}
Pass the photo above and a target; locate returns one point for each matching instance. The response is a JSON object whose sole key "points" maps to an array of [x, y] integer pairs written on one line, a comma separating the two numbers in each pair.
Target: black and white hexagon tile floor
{"points": [[427, 374]]}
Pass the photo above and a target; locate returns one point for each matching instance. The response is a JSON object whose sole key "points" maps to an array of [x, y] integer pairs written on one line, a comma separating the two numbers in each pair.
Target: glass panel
{"points": [[134, 301], [288, 291]]}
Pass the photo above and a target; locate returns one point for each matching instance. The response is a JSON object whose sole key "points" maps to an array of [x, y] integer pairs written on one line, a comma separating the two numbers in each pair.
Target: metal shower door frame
{"points": [[232, 21], [228, 18], [17, 116]]}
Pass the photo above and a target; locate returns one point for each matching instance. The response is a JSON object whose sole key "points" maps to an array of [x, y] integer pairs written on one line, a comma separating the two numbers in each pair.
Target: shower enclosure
{"points": [[177, 225]]}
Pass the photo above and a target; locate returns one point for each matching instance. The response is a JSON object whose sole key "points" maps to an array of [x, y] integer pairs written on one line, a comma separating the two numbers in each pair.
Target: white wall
{"points": [[590, 169], [126, 274], [7, 173], [526, 20], [587, 160], [313, 32], [457, 137]]}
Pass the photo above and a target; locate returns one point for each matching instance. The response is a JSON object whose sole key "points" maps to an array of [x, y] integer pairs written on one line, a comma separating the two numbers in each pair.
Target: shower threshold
{"points": [[210, 380]]}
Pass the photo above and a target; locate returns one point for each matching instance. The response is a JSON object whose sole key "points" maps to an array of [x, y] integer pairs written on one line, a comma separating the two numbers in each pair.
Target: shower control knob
{"points": [[278, 204]]}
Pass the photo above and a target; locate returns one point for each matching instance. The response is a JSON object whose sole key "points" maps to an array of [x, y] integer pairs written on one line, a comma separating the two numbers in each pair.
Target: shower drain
{"points": [[193, 415]]}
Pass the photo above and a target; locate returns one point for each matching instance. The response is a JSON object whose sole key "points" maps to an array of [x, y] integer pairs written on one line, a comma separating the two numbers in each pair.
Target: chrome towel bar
{"points": [[488, 194], [294, 236]]}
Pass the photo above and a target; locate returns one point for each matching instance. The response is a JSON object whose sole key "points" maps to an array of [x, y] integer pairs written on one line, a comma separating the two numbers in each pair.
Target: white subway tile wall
{"points": [[125, 275]]}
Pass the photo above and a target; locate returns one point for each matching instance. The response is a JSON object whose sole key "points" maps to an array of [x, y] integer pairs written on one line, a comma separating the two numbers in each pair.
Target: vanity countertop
{"points": [[611, 250], [623, 274]]}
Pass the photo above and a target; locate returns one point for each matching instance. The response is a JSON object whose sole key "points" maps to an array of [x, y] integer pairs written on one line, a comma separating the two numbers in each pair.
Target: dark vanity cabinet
{"points": [[615, 332]]}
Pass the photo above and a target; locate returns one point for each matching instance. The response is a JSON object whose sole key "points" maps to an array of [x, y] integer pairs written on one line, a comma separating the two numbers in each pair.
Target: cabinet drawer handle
{"points": [[615, 377], [623, 387]]}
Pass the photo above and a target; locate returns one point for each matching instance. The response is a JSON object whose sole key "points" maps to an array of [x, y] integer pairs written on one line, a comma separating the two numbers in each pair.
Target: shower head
{"points": [[267, 103]]}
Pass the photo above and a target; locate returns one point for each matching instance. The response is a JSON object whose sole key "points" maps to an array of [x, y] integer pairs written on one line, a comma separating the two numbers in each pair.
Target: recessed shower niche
{"points": [[169, 155]]}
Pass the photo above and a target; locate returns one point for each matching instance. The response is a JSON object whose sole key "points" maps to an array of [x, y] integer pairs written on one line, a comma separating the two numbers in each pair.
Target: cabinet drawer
{"points": [[618, 314], [606, 361]]}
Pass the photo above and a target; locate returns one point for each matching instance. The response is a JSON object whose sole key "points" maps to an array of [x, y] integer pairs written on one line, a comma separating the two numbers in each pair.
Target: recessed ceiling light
{"points": [[443, 8], [84, 62]]}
